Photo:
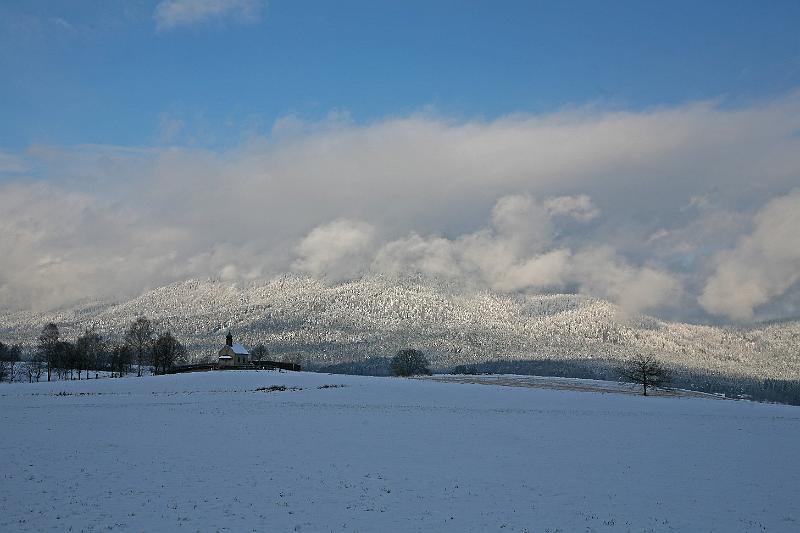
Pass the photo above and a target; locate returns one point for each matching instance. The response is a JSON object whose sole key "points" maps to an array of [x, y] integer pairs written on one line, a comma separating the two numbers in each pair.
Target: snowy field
{"points": [[558, 383], [208, 452]]}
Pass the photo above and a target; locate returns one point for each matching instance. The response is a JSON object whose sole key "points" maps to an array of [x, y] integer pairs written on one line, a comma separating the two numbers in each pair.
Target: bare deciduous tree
{"points": [[33, 367], [292, 358], [13, 355], [167, 351], [121, 359], [63, 359], [139, 338], [4, 355], [646, 371], [89, 348], [48, 347], [259, 353]]}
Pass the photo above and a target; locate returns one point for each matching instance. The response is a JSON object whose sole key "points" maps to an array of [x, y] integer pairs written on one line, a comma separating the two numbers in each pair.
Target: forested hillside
{"points": [[326, 324]]}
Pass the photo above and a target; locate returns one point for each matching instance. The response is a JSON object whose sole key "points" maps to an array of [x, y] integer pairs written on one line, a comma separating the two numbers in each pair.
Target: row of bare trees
{"points": [[53, 356], [10, 357]]}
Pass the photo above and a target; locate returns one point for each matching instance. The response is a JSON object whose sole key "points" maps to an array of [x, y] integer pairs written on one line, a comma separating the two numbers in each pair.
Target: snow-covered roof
{"points": [[238, 349]]}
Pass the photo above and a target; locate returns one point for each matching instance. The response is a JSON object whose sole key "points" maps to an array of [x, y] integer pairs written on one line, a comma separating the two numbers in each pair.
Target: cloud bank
{"points": [[764, 264], [684, 212]]}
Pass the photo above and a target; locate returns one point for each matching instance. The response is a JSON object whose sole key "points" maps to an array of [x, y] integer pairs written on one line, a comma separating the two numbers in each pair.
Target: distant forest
{"points": [[143, 348]]}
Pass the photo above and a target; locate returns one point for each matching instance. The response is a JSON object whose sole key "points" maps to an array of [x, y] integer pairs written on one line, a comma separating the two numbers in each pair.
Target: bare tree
{"points": [[293, 358], [4, 355], [13, 355], [645, 370], [63, 359], [139, 338], [121, 358], [33, 367], [167, 351], [89, 348], [48, 347], [259, 353]]}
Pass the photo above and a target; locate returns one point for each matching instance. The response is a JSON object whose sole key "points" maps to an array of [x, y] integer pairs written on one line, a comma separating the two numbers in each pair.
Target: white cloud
{"points": [[336, 251], [763, 265], [517, 203], [602, 273], [522, 222], [434, 256], [513, 252], [579, 207], [519, 250], [173, 13]]}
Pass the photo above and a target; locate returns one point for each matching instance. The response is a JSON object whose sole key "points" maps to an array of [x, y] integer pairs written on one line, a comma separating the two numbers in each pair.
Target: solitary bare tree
{"points": [[646, 371]]}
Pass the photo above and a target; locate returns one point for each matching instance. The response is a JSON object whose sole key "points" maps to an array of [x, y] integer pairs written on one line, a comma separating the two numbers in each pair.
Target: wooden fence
{"points": [[252, 365]]}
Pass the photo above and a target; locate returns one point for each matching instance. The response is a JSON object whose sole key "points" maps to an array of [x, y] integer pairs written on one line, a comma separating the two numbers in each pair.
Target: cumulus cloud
{"points": [[602, 273], [519, 250], [512, 252], [579, 207], [63, 246], [763, 265], [170, 14], [639, 207], [336, 251]]}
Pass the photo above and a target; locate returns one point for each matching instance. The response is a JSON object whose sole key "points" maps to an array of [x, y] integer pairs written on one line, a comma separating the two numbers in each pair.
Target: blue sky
{"points": [[106, 72], [642, 152]]}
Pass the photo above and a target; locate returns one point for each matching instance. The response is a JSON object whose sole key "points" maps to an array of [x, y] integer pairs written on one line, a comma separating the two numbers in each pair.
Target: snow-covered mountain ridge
{"points": [[376, 316]]}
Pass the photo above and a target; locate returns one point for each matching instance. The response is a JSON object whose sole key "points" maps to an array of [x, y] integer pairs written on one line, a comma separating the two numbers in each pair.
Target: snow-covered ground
{"points": [[559, 383], [209, 451]]}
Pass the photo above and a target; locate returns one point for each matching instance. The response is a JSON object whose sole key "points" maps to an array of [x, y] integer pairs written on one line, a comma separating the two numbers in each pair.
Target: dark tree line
{"points": [[90, 352], [10, 357], [406, 362]]}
